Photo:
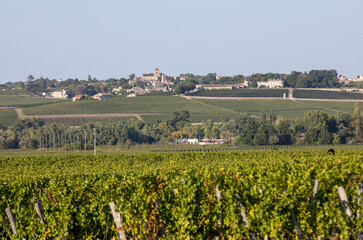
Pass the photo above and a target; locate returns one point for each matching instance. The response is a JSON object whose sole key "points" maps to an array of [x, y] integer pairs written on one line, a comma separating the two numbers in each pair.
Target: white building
{"points": [[186, 141], [57, 94], [271, 83]]}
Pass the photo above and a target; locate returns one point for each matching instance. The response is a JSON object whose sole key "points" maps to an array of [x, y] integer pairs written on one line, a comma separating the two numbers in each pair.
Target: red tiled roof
{"points": [[157, 69], [148, 74], [78, 96]]}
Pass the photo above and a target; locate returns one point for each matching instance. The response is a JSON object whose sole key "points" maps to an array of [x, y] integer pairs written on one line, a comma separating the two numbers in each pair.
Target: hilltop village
{"points": [[159, 82]]}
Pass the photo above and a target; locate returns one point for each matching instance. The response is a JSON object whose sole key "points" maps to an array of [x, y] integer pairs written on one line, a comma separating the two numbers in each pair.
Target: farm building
{"points": [[271, 83]]}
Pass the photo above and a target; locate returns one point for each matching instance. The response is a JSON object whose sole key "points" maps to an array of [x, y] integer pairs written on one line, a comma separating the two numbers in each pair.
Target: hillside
{"points": [[158, 108]]}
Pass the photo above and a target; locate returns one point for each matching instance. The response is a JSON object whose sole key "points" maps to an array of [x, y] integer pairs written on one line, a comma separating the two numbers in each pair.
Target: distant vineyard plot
{"points": [[24, 101], [326, 94], [144, 104], [7, 117], [80, 121], [200, 109], [268, 93], [285, 108]]}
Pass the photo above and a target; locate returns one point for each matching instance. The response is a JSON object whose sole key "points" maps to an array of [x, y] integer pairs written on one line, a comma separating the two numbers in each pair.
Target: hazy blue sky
{"points": [[114, 38]]}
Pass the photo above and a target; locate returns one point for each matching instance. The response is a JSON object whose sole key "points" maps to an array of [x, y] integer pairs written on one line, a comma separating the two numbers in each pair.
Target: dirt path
{"points": [[21, 115]]}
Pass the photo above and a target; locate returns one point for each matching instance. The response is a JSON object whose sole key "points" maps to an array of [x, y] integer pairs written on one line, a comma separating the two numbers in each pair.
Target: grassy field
{"points": [[23, 101], [7, 117]]}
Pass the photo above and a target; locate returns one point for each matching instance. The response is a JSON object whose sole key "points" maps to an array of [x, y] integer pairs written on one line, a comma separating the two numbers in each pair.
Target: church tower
{"points": [[156, 73]]}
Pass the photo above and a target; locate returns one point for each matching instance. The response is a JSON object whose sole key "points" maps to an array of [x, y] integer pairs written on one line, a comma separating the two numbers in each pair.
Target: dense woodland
{"points": [[315, 128]]}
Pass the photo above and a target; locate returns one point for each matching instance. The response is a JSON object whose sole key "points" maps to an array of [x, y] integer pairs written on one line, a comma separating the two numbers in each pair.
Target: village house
{"points": [[182, 77], [343, 79], [271, 83], [77, 97], [102, 96], [358, 79], [117, 91]]}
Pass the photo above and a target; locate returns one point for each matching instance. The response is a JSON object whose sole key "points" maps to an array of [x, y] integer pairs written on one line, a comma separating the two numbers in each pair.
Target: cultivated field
{"points": [[145, 104], [161, 108], [24, 101], [285, 108], [7, 117], [200, 195]]}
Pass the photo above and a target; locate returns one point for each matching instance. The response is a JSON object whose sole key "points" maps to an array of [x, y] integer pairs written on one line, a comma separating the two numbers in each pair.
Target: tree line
{"points": [[311, 79], [315, 127], [90, 86]]}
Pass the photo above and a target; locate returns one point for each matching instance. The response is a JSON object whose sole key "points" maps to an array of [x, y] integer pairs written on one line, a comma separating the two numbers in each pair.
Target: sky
{"points": [[114, 38]]}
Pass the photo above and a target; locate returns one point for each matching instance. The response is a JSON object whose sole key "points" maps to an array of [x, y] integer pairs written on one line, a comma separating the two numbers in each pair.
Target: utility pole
{"points": [[94, 141]]}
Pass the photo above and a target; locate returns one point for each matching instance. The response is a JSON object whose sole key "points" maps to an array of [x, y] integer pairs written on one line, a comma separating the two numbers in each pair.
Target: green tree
{"points": [[261, 137], [30, 78], [184, 87]]}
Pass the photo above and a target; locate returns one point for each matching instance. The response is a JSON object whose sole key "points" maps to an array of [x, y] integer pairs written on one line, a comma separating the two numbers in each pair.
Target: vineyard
{"points": [[144, 104], [270, 93], [25, 101], [324, 94], [7, 117], [79, 121], [230, 195]]}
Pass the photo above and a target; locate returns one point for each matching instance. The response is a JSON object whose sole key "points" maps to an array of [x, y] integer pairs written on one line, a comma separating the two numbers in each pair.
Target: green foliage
{"points": [[184, 87], [267, 184]]}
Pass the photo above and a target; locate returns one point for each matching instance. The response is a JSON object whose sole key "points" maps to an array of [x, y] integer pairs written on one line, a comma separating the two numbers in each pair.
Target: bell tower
{"points": [[157, 73]]}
